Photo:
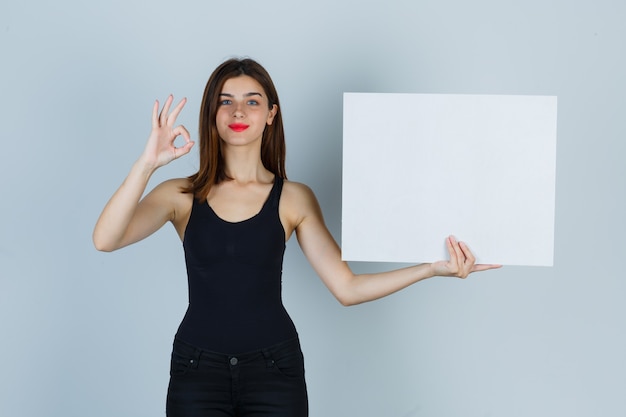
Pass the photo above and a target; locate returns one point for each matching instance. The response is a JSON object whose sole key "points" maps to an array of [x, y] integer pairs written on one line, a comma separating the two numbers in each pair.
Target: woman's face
{"points": [[243, 111]]}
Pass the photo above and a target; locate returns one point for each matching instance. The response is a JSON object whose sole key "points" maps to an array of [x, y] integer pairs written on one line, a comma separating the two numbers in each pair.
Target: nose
{"points": [[238, 111]]}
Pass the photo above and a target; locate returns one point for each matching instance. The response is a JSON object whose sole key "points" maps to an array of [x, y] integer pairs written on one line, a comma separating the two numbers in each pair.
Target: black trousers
{"points": [[267, 382]]}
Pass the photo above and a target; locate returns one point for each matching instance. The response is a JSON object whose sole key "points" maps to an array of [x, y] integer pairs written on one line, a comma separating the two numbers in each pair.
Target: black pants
{"points": [[268, 382]]}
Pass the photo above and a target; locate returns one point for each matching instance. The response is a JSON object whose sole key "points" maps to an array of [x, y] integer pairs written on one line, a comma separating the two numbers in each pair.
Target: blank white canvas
{"points": [[420, 167]]}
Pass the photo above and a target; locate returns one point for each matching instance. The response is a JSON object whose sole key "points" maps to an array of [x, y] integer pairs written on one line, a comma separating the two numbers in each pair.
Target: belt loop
{"points": [[268, 358], [195, 361]]}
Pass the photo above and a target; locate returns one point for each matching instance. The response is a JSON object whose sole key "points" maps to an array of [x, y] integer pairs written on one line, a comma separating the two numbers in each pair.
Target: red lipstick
{"points": [[238, 127]]}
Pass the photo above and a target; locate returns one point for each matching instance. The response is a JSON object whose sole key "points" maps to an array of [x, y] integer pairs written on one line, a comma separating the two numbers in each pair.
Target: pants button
{"points": [[233, 361]]}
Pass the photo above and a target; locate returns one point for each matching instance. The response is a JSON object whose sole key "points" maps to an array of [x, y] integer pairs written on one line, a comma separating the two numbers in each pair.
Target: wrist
{"points": [[144, 167], [425, 271], [431, 272]]}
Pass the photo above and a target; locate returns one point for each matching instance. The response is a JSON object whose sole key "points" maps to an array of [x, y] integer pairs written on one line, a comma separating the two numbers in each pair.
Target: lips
{"points": [[238, 127]]}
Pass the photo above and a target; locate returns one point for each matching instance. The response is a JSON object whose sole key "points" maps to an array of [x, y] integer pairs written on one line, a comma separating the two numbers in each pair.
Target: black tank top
{"points": [[234, 274]]}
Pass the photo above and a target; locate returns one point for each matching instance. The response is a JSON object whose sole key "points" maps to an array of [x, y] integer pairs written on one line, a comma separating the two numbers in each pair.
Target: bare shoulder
{"points": [[298, 194], [176, 190], [174, 185], [298, 202], [170, 195], [171, 191], [296, 187]]}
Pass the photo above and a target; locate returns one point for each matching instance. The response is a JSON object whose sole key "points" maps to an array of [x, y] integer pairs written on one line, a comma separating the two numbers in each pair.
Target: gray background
{"points": [[89, 334]]}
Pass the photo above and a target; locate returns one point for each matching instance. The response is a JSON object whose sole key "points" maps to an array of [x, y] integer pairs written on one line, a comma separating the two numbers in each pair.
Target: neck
{"points": [[243, 164]]}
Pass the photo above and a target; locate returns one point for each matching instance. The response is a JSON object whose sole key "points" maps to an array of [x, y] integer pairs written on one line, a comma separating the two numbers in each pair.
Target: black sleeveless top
{"points": [[234, 274]]}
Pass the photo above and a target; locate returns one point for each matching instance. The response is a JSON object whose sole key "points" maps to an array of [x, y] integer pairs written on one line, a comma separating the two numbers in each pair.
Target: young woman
{"points": [[236, 352]]}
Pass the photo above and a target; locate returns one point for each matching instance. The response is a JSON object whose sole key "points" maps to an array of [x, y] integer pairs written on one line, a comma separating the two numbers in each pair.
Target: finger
{"points": [[155, 114], [451, 251], [181, 130], [460, 257], [171, 119], [184, 150], [485, 267], [469, 256], [468, 263], [456, 257], [166, 109]]}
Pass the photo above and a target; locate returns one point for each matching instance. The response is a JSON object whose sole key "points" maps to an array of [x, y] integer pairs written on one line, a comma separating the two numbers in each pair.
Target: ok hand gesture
{"points": [[160, 149]]}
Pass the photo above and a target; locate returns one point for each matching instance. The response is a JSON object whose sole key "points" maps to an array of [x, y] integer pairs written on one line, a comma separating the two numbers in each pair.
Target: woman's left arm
{"points": [[324, 255]]}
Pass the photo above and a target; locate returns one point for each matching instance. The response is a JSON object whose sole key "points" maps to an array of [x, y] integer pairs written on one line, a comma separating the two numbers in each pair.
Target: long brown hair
{"points": [[212, 169]]}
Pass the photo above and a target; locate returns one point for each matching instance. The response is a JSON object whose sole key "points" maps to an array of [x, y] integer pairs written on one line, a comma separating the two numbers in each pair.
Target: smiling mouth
{"points": [[238, 127]]}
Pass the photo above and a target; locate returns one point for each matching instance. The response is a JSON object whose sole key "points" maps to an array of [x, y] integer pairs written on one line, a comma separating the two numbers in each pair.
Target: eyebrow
{"points": [[252, 93]]}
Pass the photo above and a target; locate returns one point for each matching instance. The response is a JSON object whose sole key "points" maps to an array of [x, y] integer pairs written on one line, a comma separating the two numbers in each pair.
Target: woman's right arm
{"points": [[127, 218]]}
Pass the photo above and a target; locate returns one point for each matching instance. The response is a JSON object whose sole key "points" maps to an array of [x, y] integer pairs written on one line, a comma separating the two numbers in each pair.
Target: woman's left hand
{"points": [[461, 263]]}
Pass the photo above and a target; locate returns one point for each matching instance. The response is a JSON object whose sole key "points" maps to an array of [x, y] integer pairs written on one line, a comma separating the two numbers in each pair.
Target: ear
{"points": [[272, 114]]}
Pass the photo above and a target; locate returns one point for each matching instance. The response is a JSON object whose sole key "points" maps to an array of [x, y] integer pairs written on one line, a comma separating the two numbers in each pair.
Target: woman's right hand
{"points": [[160, 149]]}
